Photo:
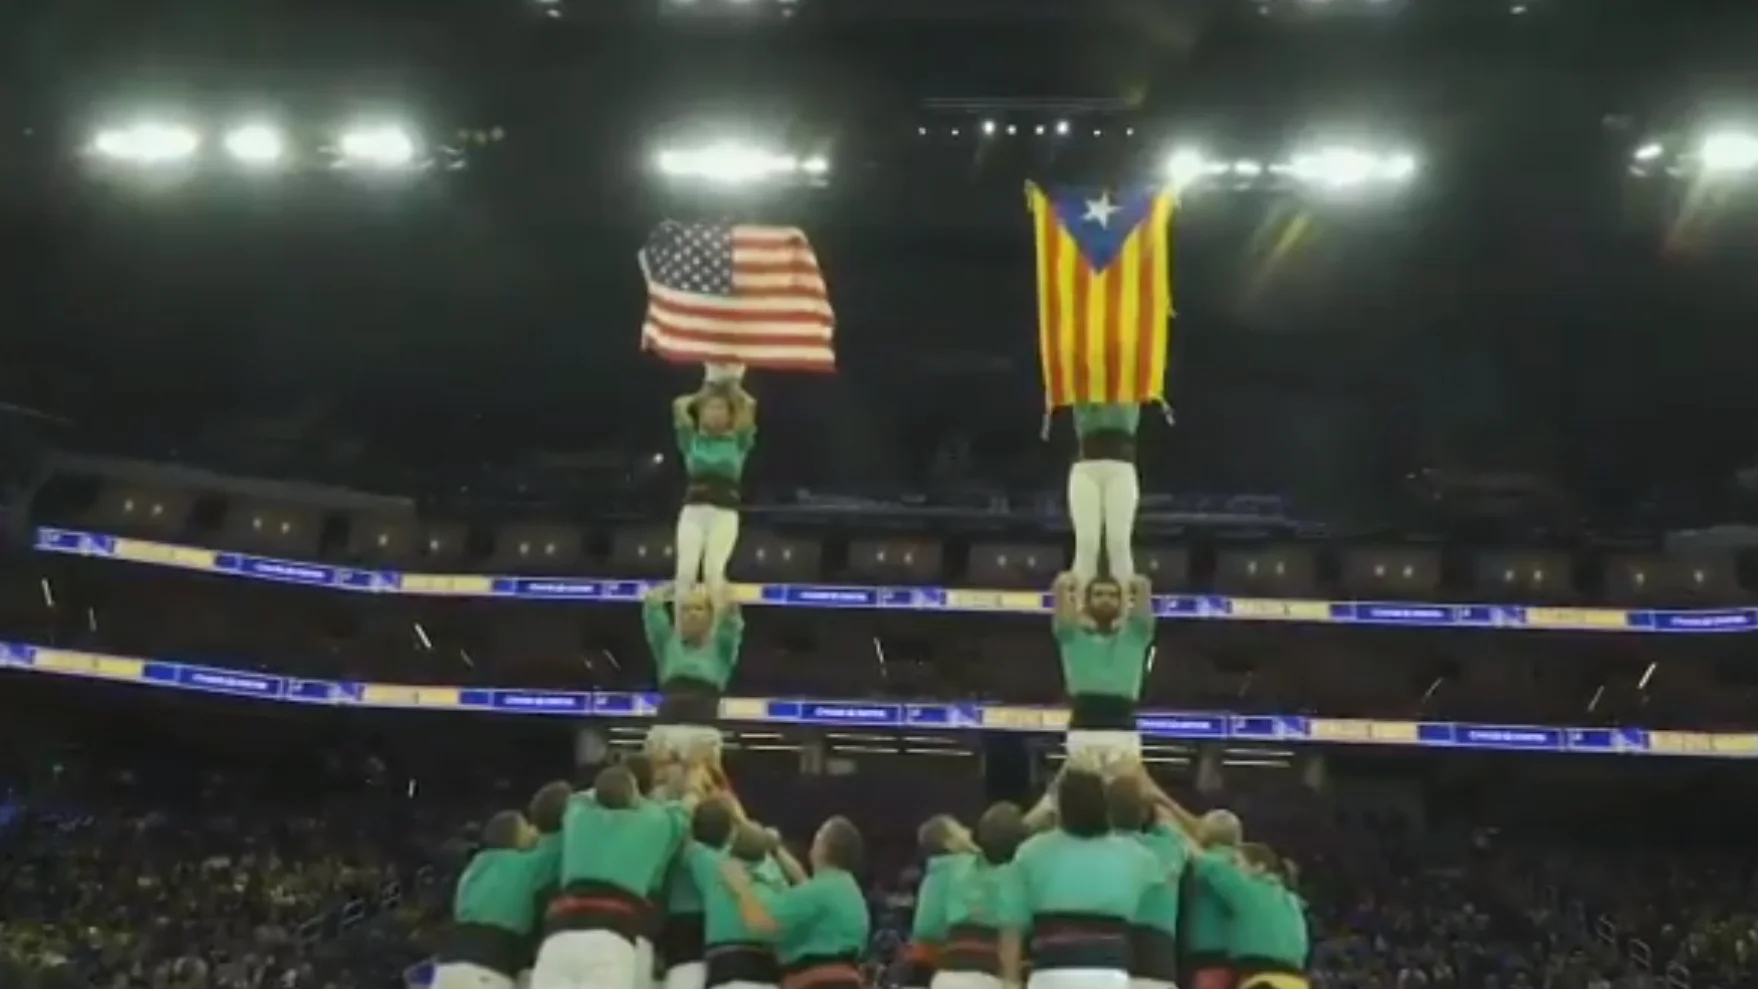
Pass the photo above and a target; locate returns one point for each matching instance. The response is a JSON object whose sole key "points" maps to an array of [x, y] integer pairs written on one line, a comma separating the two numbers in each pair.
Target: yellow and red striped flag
{"points": [[1104, 292]]}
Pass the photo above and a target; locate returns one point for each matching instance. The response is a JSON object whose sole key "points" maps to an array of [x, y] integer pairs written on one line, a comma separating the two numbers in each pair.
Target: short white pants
{"points": [[467, 975], [689, 975], [1078, 978], [1102, 751], [590, 960], [964, 980], [678, 741]]}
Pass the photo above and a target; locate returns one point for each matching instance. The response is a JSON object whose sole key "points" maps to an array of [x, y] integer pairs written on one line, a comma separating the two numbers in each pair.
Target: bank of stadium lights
{"points": [[735, 165], [263, 147], [1718, 156], [1334, 169]]}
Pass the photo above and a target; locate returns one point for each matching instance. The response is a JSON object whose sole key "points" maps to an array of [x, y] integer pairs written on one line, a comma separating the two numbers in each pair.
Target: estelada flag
{"points": [[1104, 292]]}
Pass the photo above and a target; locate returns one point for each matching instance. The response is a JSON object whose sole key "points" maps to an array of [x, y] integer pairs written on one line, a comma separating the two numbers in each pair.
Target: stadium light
{"points": [[1346, 168], [732, 164], [1728, 153], [256, 145], [385, 148], [147, 144]]}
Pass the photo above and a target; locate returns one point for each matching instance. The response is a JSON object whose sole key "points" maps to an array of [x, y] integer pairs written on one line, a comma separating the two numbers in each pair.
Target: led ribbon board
{"points": [[1193, 607], [1187, 726]]}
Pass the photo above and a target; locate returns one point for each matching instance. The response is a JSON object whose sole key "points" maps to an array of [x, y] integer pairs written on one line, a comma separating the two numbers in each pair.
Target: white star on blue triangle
{"points": [[1099, 221]]}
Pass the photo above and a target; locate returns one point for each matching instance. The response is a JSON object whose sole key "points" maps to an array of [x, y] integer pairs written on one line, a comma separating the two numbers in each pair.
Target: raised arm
{"points": [[744, 409], [1043, 813], [790, 866], [1065, 604], [729, 628], [751, 909], [683, 411], [1141, 599], [656, 619]]}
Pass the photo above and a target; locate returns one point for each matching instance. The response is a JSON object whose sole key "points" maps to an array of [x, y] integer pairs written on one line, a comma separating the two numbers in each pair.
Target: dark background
{"points": [[1525, 307]]}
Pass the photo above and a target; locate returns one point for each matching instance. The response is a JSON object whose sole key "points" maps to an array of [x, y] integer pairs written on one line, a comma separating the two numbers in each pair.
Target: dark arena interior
{"points": [[340, 444]]}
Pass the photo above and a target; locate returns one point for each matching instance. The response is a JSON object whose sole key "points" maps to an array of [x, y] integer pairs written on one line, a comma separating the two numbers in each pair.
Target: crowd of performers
{"points": [[656, 875]]}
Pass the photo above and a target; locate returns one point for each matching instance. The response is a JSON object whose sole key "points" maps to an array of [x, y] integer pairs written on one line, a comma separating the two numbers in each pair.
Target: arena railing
{"points": [[1174, 607], [1189, 726]]}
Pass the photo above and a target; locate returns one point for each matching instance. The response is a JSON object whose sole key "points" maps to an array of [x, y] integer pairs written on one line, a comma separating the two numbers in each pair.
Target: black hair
{"points": [[844, 848], [1080, 804], [1101, 581], [935, 834], [640, 766], [548, 805], [615, 788], [1126, 805], [1000, 831], [503, 830], [713, 822], [750, 843]]}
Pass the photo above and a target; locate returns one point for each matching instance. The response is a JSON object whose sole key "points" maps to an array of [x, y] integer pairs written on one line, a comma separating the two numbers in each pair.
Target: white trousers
{"points": [[1078, 978], [964, 980], [588, 960], [682, 741], [1103, 750], [704, 545], [644, 962], [1102, 498], [465, 975], [689, 975]]}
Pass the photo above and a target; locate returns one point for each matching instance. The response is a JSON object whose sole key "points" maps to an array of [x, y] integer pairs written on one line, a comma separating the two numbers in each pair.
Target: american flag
{"points": [[723, 294]]}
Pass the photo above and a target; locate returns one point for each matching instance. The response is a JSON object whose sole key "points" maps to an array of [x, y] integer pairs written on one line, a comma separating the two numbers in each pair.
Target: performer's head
{"points": [[838, 845], [713, 822], [714, 412], [695, 616], [615, 788], [507, 829], [1220, 829], [750, 844], [1127, 805], [1080, 804], [1104, 601], [1000, 831], [939, 834], [641, 770], [548, 805]]}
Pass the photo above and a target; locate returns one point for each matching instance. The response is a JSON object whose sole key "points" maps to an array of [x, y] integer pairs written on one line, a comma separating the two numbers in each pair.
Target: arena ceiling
{"points": [[1525, 303]]}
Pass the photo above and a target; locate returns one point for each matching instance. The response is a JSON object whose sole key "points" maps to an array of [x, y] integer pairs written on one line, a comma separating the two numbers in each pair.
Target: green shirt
{"points": [[825, 916], [722, 923], [931, 922], [977, 893], [1207, 924], [501, 887], [628, 848], [683, 894], [1056, 872], [1106, 665], [711, 661], [1268, 920], [1091, 417], [715, 456], [1159, 906]]}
